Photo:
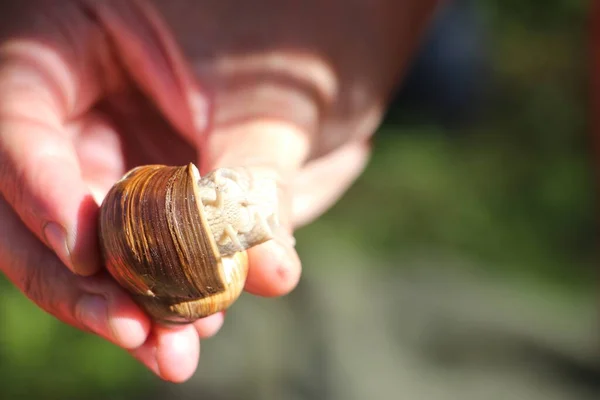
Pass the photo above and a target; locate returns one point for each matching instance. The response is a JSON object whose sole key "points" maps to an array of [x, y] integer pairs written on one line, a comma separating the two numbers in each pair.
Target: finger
{"points": [[95, 304], [41, 180], [171, 352], [100, 150], [323, 181], [279, 148], [209, 326], [39, 174], [153, 60]]}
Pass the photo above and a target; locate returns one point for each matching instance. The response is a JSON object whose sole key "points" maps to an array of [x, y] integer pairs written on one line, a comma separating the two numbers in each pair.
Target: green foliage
{"points": [[482, 196], [515, 190], [42, 358]]}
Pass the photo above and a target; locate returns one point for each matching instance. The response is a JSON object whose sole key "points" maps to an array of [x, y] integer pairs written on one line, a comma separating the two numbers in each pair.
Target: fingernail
{"points": [[92, 311], [56, 237]]}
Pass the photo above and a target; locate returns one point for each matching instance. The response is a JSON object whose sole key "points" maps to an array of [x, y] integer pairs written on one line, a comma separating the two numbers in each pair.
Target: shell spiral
{"points": [[157, 243]]}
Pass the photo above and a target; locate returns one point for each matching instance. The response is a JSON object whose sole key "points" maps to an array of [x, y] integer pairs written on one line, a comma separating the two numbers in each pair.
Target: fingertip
{"points": [[129, 325], [177, 352], [171, 352], [74, 222], [77, 244], [210, 326], [275, 269], [109, 312]]}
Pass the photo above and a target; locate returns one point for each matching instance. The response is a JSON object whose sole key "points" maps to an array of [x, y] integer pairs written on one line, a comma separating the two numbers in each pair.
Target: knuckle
{"points": [[32, 284], [38, 283], [31, 267]]}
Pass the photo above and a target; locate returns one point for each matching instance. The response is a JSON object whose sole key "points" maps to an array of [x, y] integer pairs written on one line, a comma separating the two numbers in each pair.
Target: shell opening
{"points": [[240, 208]]}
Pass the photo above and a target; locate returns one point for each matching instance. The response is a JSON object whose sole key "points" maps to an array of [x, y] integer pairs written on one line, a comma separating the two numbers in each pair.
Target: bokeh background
{"points": [[461, 265]]}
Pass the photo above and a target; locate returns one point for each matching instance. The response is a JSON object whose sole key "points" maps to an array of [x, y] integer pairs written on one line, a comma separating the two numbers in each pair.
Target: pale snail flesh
{"points": [[177, 241]]}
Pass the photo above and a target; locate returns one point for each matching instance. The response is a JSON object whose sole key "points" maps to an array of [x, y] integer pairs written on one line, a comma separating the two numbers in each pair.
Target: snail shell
{"points": [[177, 242]]}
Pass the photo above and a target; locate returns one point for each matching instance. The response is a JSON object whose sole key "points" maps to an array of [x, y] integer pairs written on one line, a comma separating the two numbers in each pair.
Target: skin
{"points": [[90, 89]]}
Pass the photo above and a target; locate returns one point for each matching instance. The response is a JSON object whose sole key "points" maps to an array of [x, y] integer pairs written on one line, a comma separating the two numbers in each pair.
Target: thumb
{"points": [[262, 148]]}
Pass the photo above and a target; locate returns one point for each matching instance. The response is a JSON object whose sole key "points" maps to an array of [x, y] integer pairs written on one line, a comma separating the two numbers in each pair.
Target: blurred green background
{"points": [[461, 265]]}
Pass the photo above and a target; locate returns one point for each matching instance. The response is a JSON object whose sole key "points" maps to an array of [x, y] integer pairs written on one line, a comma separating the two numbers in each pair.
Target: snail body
{"points": [[177, 241]]}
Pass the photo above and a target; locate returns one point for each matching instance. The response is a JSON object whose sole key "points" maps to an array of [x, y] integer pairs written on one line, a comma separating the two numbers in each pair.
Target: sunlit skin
{"points": [[90, 89]]}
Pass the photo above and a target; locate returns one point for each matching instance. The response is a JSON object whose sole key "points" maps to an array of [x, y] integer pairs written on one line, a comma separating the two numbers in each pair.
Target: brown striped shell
{"points": [[177, 242]]}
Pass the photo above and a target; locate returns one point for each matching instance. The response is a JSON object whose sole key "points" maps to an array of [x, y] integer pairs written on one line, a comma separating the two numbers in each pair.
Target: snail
{"points": [[178, 242]]}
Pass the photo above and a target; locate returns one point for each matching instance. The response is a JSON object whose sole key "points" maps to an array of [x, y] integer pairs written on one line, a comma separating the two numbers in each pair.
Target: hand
{"points": [[90, 89]]}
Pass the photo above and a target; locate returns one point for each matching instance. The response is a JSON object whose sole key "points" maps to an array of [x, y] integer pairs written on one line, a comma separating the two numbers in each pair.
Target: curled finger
{"points": [[93, 304], [266, 150]]}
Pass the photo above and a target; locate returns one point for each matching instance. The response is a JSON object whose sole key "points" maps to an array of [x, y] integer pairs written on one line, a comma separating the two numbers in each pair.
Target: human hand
{"points": [[90, 89]]}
